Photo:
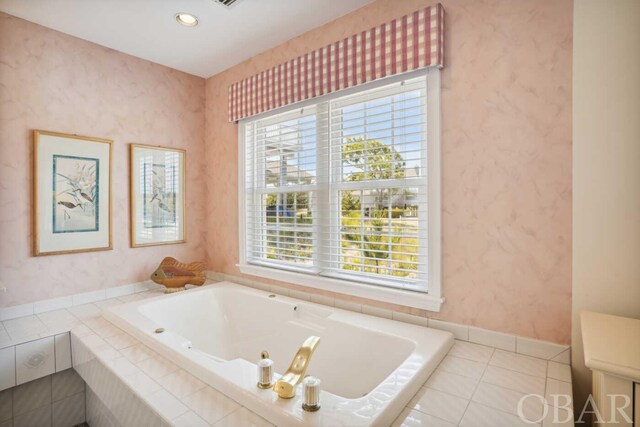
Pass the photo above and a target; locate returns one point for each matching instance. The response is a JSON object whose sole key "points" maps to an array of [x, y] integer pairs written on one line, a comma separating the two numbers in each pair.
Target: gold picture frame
{"points": [[69, 183], [157, 178]]}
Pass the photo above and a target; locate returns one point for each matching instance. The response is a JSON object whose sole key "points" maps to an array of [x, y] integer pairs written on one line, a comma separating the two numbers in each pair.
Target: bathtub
{"points": [[369, 367]]}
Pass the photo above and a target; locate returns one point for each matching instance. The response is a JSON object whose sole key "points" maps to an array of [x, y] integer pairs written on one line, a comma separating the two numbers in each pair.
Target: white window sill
{"points": [[377, 293]]}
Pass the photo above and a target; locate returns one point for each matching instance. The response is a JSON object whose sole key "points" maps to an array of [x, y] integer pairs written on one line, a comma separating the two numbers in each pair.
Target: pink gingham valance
{"points": [[408, 43]]}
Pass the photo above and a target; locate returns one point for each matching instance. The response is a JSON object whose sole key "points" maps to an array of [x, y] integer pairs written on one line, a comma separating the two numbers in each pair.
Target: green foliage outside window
{"points": [[373, 240]]}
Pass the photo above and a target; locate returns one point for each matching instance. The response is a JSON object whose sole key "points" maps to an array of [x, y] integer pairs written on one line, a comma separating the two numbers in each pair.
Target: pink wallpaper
{"points": [[52, 81], [506, 106]]}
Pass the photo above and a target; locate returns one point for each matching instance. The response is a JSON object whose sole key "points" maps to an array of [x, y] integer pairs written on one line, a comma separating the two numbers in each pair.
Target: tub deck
{"points": [[474, 385], [370, 367]]}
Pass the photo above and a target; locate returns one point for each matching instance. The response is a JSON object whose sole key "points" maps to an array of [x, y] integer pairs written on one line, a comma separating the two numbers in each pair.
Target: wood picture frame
{"points": [[157, 195], [72, 208]]}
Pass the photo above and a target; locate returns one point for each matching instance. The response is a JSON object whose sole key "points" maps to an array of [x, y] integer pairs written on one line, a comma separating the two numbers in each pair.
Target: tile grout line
{"points": [[503, 412], [84, 385], [429, 415], [544, 396], [476, 387], [13, 389], [561, 351], [518, 372], [503, 387], [54, 371], [227, 416]]}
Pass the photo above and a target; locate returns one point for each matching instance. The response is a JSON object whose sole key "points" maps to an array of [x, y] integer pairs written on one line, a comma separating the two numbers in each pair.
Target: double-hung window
{"points": [[342, 192]]}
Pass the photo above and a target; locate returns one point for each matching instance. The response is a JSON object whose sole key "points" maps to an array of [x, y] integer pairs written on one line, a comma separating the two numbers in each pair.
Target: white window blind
{"points": [[339, 188], [281, 189]]}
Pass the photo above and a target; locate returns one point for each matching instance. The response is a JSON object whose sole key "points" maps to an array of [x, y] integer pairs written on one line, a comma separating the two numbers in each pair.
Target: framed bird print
{"points": [[157, 195], [72, 192]]}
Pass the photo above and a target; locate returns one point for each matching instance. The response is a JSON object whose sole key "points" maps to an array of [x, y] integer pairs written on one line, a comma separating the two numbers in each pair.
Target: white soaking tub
{"points": [[369, 367]]}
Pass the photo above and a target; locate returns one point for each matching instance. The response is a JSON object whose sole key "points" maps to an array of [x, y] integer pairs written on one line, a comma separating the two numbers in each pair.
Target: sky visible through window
{"points": [[402, 110]]}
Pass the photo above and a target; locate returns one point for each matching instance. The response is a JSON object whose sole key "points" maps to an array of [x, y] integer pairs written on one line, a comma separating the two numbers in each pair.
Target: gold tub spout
{"points": [[286, 385]]}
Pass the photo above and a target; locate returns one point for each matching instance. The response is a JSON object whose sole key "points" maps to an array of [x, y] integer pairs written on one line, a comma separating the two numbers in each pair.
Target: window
{"points": [[342, 193]]}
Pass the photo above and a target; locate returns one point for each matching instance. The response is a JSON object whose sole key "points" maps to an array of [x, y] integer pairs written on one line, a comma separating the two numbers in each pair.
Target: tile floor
{"points": [[474, 385], [481, 386]]}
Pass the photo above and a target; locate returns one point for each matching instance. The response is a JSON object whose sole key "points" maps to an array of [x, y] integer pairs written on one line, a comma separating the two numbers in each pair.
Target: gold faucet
{"points": [[286, 385]]}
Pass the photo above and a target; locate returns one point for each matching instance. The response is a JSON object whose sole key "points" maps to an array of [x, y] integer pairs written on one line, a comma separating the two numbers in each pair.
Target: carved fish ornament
{"points": [[174, 275]]}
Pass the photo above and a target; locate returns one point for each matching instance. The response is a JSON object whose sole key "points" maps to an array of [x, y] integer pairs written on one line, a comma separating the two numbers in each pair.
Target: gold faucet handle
{"points": [[286, 385], [284, 389]]}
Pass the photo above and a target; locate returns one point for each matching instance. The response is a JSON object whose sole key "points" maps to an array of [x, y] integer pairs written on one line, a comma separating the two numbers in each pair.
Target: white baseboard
{"points": [[42, 306]]}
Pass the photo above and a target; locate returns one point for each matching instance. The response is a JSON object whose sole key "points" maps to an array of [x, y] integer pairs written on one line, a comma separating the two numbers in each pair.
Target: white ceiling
{"points": [[147, 28]]}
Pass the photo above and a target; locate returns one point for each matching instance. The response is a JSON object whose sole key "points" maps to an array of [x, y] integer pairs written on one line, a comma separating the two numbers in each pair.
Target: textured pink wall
{"points": [[506, 107], [52, 81], [506, 156]]}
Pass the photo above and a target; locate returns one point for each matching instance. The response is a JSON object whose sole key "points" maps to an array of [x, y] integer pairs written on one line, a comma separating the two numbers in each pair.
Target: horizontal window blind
{"points": [[339, 188], [281, 172]]}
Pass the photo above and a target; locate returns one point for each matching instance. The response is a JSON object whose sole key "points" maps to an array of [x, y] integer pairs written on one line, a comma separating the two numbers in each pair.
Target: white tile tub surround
{"points": [[7, 367], [472, 377], [35, 359], [559, 371], [375, 311], [564, 357], [69, 411], [37, 345], [181, 383], [523, 383], [478, 415], [473, 352], [5, 340], [438, 404], [52, 304], [98, 415], [492, 338], [91, 304], [459, 374], [43, 306], [519, 363], [509, 342], [24, 327], [538, 348], [455, 384], [411, 353], [404, 317], [14, 311], [123, 397], [462, 366], [127, 407]]}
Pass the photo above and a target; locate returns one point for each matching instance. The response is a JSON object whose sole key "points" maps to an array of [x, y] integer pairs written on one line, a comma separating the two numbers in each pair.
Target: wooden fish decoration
{"points": [[174, 274]]}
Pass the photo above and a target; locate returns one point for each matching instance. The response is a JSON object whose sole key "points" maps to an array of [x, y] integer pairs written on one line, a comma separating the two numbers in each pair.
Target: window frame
{"points": [[432, 299]]}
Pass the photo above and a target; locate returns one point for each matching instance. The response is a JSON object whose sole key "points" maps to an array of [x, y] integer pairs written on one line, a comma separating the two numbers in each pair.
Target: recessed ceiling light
{"points": [[186, 19]]}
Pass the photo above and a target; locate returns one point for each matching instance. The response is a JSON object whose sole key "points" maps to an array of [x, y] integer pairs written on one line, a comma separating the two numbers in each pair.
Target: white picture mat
{"points": [[144, 235], [48, 241]]}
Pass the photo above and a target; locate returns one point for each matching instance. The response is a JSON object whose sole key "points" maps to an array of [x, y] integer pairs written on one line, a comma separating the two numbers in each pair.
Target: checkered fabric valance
{"points": [[408, 43]]}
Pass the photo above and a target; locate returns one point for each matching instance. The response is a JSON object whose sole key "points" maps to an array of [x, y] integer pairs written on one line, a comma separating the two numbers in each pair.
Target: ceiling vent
{"points": [[227, 3]]}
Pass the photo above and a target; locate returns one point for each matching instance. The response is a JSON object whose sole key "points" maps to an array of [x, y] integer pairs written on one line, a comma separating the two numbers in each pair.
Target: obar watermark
{"points": [[560, 410]]}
